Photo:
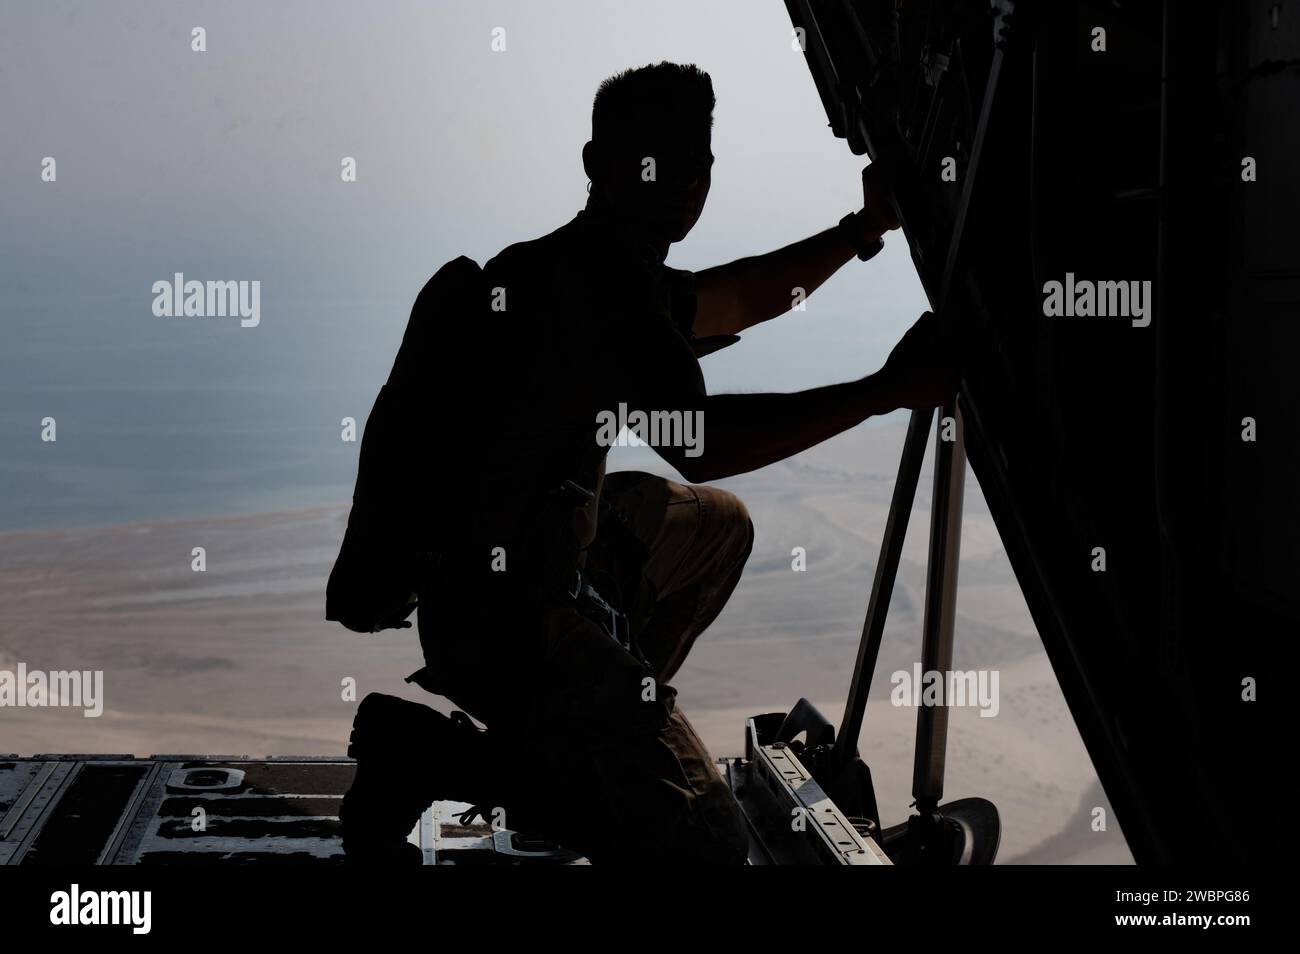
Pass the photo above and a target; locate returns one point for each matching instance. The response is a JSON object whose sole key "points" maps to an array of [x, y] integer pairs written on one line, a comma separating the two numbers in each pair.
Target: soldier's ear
{"points": [[595, 162]]}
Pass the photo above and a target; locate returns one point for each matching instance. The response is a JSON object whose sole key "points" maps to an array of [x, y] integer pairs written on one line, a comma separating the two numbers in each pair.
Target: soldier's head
{"points": [[650, 155]]}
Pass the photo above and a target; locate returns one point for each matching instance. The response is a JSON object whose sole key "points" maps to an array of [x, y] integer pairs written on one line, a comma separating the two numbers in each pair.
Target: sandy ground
{"points": [[240, 660]]}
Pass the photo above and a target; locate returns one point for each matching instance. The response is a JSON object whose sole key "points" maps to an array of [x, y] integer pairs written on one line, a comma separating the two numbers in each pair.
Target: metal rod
{"points": [[940, 609], [891, 550]]}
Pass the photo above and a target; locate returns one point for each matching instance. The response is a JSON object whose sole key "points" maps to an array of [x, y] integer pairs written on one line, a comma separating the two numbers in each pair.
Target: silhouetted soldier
{"points": [[555, 603]]}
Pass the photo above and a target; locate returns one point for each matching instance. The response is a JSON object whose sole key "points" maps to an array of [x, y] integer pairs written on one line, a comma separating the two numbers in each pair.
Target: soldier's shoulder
{"points": [[543, 254]]}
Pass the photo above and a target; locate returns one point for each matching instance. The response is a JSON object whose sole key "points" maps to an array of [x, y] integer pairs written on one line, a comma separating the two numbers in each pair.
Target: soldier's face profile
{"points": [[662, 180]]}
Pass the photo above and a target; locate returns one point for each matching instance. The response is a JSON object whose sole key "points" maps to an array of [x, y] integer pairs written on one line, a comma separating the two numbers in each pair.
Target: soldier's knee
{"points": [[732, 520]]}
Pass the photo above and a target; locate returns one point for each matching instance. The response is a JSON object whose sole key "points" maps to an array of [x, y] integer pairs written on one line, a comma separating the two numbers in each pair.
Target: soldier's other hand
{"points": [[923, 370]]}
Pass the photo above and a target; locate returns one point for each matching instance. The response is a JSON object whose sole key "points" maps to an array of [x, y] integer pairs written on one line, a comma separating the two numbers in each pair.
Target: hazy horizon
{"points": [[225, 165]]}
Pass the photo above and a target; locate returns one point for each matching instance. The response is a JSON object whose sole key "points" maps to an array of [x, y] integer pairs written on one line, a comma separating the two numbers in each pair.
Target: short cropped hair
{"points": [[661, 95]]}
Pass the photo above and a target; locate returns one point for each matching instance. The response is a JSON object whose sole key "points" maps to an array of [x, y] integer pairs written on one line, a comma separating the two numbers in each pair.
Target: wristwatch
{"points": [[852, 233]]}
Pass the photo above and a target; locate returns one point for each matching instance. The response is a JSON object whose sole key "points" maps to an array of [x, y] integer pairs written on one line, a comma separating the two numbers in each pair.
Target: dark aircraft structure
{"points": [[1099, 199], [1087, 143]]}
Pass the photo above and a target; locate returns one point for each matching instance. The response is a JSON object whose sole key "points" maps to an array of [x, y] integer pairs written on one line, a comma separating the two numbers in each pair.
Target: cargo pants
{"points": [[587, 745]]}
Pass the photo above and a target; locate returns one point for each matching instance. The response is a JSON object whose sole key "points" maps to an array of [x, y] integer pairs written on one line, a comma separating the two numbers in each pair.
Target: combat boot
{"points": [[408, 755]]}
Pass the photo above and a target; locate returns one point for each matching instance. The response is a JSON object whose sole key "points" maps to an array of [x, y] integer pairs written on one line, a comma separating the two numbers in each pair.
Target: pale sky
{"points": [[224, 165]]}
